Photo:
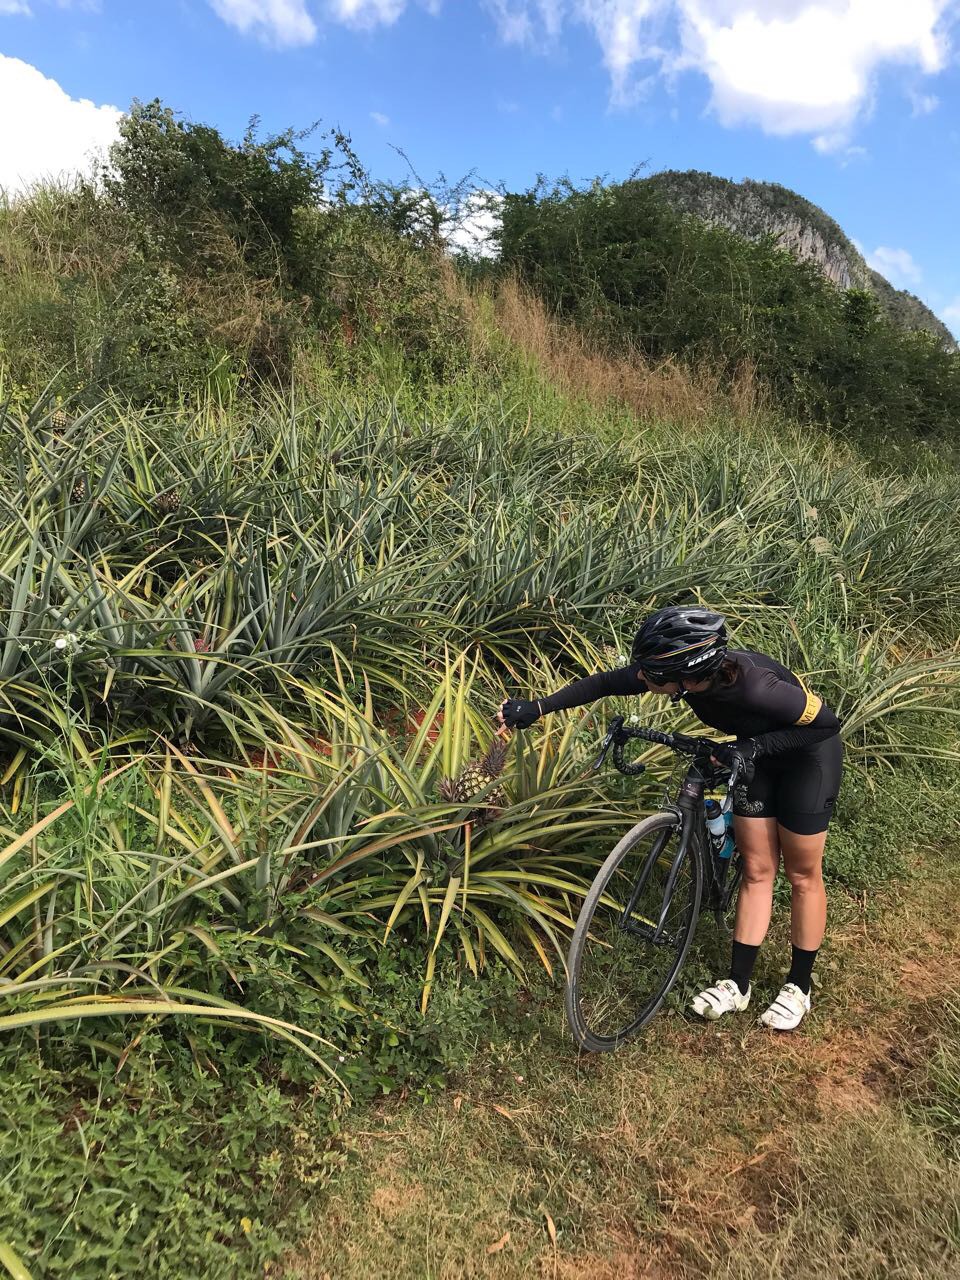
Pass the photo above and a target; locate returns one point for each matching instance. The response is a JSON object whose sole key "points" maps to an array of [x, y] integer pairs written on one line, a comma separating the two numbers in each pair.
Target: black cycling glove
{"points": [[518, 714], [742, 753]]}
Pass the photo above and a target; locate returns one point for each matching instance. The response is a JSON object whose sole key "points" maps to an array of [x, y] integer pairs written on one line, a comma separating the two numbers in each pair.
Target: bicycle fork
{"points": [[655, 933]]}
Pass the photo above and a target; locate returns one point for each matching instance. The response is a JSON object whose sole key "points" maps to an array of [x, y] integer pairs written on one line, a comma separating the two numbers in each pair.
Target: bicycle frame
{"points": [[689, 808]]}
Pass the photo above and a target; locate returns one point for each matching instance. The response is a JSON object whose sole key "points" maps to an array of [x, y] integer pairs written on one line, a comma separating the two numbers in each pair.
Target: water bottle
{"points": [[717, 826], [729, 839]]}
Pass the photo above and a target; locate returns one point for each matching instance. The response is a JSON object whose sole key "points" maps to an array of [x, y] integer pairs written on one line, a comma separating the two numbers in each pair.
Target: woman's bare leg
{"points": [[759, 843], [803, 864]]}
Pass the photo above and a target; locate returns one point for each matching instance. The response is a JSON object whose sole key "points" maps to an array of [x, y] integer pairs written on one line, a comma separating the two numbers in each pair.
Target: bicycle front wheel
{"points": [[633, 933]]}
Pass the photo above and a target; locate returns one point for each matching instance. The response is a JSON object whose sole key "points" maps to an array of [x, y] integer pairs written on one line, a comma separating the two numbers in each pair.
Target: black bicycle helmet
{"points": [[681, 640]]}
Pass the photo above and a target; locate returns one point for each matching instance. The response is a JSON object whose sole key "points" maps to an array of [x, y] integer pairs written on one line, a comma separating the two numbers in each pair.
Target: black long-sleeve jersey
{"points": [[766, 702]]}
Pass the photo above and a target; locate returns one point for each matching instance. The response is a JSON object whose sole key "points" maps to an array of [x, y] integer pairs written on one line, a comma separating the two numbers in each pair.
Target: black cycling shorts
{"points": [[798, 788]]}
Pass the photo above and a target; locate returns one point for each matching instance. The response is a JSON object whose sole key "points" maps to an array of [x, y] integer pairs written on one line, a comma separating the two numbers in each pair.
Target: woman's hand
{"points": [[515, 713], [740, 755]]}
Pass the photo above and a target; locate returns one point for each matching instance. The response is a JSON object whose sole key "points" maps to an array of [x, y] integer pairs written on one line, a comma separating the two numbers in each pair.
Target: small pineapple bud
{"points": [[167, 502], [201, 645], [496, 757], [59, 421], [79, 491]]}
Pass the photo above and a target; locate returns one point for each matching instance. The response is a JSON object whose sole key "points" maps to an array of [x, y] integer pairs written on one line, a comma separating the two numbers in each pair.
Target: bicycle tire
{"points": [[724, 905], [732, 887], [578, 1017]]}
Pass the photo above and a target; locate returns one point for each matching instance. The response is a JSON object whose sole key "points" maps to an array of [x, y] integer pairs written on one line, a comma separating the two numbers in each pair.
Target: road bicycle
{"points": [[638, 919]]}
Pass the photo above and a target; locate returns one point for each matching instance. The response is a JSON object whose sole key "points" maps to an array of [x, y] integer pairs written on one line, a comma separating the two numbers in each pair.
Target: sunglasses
{"points": [[689, 678]]}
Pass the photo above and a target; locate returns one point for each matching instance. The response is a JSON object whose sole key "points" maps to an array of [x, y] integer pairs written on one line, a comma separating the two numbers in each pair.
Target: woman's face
{"points": [[671, 687], [697, 686]]}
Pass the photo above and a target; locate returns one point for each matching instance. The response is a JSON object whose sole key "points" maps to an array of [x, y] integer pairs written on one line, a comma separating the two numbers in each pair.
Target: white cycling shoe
{"points": [[725, 997], [788, 1010]]}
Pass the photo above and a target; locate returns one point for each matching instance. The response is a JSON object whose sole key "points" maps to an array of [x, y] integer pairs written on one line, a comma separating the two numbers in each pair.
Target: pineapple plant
{"points": [[168, 502], [473, 778]]}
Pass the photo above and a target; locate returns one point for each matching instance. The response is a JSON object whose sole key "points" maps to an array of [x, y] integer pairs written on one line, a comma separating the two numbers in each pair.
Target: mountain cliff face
{"points": [[759, 209]]}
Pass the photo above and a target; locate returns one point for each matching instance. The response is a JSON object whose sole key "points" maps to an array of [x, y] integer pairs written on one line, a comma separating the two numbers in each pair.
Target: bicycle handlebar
{"points": [[618, 735]]}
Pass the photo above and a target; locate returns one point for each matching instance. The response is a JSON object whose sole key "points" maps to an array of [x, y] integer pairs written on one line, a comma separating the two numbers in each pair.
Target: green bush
{"points": [[192, 263], [618, 260], [173, 177]]}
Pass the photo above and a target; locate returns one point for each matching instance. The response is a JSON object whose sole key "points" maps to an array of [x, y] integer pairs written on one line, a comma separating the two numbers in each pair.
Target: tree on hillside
{"points": [[631, 270]]}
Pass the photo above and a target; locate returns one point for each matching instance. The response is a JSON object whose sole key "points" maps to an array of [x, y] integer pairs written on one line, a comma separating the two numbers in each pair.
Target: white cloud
{"points": [[923, 104], [789, 66], [626, 33], [806, 67], [47, 134], [471, 231], [290, 22], [379, 118], [838, 144], [280, 22], [10, 7], [536, 23], [367, 13], [896, 264]]}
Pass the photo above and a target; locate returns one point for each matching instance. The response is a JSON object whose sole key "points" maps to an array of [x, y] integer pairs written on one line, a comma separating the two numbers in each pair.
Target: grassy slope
{"points": [[623, 1154], [698, 1150]]}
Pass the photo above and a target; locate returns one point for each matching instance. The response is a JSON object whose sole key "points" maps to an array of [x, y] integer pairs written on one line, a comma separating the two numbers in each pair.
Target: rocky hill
{"points": [[759, 209]]}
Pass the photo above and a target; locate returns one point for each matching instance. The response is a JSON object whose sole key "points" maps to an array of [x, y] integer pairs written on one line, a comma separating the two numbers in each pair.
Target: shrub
{"points": [[636, 274]]}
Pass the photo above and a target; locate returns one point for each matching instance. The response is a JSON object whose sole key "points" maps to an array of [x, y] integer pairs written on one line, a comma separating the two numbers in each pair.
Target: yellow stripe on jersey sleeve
{"points": [[812, 708]]}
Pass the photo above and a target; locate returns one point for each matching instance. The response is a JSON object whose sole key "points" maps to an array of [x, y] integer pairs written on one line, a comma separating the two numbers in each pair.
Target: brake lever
{"points": [[615, 726], [732, 780]]}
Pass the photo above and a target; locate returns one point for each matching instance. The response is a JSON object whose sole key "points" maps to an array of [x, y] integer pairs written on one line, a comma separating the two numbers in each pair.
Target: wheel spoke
{"points": [[632, 935]]}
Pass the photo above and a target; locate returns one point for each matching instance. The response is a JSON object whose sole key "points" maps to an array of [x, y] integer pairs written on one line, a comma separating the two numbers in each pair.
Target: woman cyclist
{"points": [[791, 757]]}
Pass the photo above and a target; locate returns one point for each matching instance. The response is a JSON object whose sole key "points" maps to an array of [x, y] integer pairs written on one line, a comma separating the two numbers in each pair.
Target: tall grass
{"points": [[655, 391]]}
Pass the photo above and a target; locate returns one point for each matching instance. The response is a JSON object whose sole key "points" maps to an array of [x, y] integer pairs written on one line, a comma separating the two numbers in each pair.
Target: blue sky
{"points": [[853, 103]]}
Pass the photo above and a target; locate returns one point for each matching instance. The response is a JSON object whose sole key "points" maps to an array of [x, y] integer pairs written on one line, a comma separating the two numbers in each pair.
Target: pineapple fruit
{"points": [[473, 778], [168, 502]]}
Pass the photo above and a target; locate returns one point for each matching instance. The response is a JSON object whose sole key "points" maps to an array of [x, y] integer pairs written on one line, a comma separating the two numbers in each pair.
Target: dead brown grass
{"points": [[667, 390]]}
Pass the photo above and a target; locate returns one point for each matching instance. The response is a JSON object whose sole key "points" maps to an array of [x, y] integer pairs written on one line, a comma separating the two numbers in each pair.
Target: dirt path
{"points": [[697, 1151]]}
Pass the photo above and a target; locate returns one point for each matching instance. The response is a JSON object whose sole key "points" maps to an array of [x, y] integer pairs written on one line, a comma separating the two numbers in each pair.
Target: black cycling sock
{"points": [[801, 968], [741, 964]]}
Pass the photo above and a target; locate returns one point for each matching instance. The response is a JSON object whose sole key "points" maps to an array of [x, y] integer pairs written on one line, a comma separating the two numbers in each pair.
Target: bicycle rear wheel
{"points": [[731, 890], [622, 960]]}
